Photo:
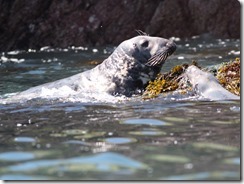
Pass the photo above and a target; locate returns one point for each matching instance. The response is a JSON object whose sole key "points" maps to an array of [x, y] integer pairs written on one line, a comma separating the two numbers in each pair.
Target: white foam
{"points": [[63, 91]]}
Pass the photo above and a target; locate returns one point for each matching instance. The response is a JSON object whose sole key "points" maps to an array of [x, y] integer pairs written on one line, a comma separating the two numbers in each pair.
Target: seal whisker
{"points": [[153, 61], [140, 32], [158, 58]]}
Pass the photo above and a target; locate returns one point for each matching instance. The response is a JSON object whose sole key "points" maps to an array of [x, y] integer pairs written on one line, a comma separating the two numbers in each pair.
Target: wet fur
{"points": [[125, 72]]}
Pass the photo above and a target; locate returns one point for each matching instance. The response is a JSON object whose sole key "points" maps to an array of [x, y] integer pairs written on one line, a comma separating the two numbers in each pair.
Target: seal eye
{"points": [[145, 43]]}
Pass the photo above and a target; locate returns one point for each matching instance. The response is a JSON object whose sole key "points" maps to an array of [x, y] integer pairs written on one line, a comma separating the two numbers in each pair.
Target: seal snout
{"points": [[171, 46], [162, 54]]}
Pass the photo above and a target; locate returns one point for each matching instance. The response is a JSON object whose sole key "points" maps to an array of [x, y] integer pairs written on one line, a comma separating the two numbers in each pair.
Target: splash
{"points": [[62, 94]]}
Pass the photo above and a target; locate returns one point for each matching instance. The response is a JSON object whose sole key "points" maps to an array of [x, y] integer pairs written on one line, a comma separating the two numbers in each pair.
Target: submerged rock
{"points": [[185, 77], [166, 82]]}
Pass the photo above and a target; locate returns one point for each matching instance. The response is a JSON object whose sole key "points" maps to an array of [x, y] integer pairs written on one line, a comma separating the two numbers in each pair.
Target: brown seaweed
{"points": [[228, 75]]}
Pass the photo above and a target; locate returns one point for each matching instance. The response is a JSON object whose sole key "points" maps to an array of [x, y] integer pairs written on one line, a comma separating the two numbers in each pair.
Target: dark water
{"points": [[132, 139]]}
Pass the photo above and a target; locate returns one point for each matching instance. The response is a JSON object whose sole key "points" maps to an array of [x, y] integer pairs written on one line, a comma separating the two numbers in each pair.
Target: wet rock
{"points": [[227, 74], [37, 23]]}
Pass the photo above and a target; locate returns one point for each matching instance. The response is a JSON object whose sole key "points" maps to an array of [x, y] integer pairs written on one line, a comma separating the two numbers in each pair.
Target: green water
{"points": [[133, 139]]}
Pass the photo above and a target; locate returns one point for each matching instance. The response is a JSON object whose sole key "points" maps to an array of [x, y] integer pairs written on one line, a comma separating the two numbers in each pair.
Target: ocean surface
{"points": [[115, 138]]}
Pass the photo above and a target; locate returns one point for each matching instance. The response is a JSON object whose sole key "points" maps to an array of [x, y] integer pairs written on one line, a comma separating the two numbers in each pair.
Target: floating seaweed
{"points": [[165, 82], [228, 74]]}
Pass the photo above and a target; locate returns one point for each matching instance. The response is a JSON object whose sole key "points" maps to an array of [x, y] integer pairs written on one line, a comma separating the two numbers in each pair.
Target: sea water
{"points": [[108, 138]]}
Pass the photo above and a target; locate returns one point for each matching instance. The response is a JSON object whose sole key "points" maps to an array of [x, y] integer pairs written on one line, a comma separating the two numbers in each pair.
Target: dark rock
{"points": [[37, 23]]}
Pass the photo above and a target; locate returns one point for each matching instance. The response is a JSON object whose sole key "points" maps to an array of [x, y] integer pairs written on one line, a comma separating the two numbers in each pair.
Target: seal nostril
{"points": [[171, 45]]}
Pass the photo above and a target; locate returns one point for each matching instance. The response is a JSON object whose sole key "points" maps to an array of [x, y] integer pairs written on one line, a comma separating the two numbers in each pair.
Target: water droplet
{"points": [[110, 133], [218, 110], [48, 145], [235, 108], [188, 166], [181, 57], [94, 50]]}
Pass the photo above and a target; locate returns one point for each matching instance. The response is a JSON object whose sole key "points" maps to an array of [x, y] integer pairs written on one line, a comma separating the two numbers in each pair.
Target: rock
{"points": [[217, 17], [37, 23], [226, 75]]}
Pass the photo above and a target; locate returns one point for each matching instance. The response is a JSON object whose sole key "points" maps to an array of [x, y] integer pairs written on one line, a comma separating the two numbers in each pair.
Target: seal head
{"points": [[206, 85], [135, 62]]}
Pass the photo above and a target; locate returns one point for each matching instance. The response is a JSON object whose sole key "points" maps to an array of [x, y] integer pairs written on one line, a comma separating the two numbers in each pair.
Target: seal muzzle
{"points": [[160, 57]]}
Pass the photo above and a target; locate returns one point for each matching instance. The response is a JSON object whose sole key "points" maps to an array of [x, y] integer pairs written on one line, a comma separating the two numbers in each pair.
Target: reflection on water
{"points": [[128, 140], [151, 122]]}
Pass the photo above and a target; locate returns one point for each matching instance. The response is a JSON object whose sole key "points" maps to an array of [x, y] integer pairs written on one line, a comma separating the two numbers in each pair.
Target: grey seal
{"points": [[125, 72], [206, 85]]}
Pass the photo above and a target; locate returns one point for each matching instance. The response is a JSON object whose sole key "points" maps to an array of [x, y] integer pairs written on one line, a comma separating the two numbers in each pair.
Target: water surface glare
{"points": [[119, 138]]}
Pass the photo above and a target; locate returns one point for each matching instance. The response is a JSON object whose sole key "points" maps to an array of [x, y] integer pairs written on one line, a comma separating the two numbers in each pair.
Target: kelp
{"points": [[228, 75], [166, 82]]}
